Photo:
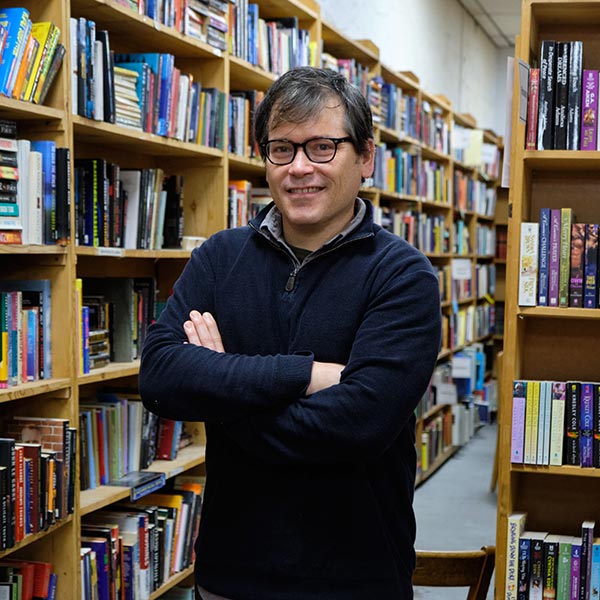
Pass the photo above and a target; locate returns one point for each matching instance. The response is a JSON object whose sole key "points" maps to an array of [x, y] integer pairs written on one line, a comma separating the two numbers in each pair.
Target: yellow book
{"points": [[41, 32], [79, 324], [45, 65], [29, 54]]}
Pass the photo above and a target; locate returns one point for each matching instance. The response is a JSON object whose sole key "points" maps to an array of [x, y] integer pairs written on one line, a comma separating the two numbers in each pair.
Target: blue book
{"points": [[9, 209], [100, 547], [16, 22], [37, 290], [31, 327], [47, 148], [195, 104], [85, 341], [252, 50], [544, 250], [52, 586], [89, 421]]}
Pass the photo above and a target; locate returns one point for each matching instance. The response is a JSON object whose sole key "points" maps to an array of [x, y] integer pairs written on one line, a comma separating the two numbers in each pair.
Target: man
{"points": [[304, 341]]}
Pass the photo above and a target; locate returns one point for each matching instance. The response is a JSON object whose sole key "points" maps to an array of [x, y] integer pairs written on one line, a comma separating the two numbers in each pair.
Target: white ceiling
{"points": [[500, 19]]}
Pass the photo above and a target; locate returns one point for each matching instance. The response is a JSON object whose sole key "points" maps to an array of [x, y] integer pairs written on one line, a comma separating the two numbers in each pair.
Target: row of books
{"points": [[399, 112], [542, 564], [560, 112], [37, 475], [30, 55], [35, 193], [127, 208], [130, 549], [119, 436], [473, 195], [23, 579], [25, 326], [242, 106], [245, 201], [274, 44], [558, 261], [556, 423], [142, 90], [205, 20], [467, 325]]}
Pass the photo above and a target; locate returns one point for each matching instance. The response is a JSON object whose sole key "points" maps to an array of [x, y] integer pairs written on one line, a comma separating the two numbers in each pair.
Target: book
{"points": [[554, 258], [546, 95], [550, 566], [16, 21], [586, 426], [577, 264], [536, 572], [47, 148], [585, 568], [557, 422], [543, 254], [532, 109], [518, 421], [516, 526], [566, 220], [140, 483], [528, 264], [563, 567], [561, 84], [590, 266], [589, 110], [572, 419], [574, 94]]}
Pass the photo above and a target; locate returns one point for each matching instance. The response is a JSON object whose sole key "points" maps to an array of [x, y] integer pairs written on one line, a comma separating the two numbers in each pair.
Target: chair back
{"points": [[463, 568]]}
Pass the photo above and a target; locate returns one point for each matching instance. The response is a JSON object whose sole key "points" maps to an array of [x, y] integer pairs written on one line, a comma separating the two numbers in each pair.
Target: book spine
{"points": [[550, 567], [544, 251], [528, 260], [586, 425], [590, 277], [532, 109], [524, 566], [518, 421], [554, 258], [546, 95], [566, 220], [575, 570], [589, 110], [516, 525], [596, 427], [574, 95], [557, 423], [577, 263], [572, 409], [561, 94]]}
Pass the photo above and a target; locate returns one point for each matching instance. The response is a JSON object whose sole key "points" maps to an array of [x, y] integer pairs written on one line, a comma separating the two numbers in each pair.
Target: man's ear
{"points": [[368, 159]]}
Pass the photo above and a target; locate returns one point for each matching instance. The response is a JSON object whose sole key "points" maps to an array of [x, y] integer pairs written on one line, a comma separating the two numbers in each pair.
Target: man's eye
{"points": [[283, 149]]}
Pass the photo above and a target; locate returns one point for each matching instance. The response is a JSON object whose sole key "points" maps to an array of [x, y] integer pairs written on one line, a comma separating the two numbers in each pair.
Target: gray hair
{"points": [[301, 93]]}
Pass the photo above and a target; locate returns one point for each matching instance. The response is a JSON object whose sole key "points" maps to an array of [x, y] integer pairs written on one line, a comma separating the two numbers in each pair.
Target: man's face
{"points": [[316, 200]]}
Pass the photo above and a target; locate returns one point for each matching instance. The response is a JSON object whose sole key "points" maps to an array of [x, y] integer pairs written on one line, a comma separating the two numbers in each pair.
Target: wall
{"points": [[439, 42]]}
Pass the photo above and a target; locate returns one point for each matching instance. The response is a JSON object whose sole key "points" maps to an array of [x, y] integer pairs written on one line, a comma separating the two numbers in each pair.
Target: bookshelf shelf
{"points": [[542, 312], [33, 249], [436, 464], [551, 160], [251, 166], [435, 205], [98, 132], [111, 371], [305, 10], [35, 388], [245, 75], [172, 582], [34, 537], [431, 154], [122, 253], [16, 109], [187, 458], [92, 500], [559, 471], [137, 29]]}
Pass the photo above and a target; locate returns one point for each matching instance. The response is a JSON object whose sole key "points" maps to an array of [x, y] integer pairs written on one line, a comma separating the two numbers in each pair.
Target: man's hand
{"points": [[202, 330], [324, 375]]}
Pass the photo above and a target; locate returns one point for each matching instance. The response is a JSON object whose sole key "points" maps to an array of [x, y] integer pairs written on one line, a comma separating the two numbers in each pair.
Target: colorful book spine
{"points": [[572, 412], [589, 110], [518, 421], [528, 264], [546, 95], [16, 21], [554, 258], [544, 252], [574, 95], [557, 426], [523, 569], [590, 266], [566, 221], [563, 577], [532, 109], [586, 428], [575, 568]]}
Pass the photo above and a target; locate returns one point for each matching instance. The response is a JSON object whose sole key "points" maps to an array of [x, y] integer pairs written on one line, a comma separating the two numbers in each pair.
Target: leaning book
{"points": [[140, 483]]}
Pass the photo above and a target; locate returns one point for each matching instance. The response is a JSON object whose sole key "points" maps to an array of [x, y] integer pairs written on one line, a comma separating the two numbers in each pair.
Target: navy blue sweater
{"points": [[306, 497]]}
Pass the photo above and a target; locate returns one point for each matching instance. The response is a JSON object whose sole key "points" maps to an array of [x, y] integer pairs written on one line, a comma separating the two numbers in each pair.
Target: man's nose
{"points": [[301, 163]]}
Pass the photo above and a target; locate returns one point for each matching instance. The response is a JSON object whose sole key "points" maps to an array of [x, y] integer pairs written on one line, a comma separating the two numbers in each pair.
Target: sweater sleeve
{"points": [[389, 368], [187, 382]]}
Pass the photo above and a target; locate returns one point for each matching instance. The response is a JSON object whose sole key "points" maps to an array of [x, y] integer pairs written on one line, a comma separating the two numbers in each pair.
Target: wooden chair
{"points": [[465, 568]]}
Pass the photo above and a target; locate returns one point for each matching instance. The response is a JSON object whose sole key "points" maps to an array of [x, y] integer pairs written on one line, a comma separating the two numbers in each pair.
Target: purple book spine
{"points": [[575, 570], [587, 424], [518, 422], [589, 109], [554, 258]]}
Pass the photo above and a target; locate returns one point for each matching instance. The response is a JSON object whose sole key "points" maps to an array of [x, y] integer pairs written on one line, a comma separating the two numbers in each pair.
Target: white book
{"points": [[557, 426], [184, 89], [528, 264], [98, 81], [23, 149], [515, 527], [131, 181], [36, 210]]}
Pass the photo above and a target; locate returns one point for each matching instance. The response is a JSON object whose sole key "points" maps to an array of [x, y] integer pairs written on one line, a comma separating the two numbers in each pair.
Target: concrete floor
{"points": [[455, 509]]}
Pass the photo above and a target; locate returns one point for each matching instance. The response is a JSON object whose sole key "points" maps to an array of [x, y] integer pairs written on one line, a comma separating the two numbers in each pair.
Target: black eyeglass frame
{"points": [[296, 145]]}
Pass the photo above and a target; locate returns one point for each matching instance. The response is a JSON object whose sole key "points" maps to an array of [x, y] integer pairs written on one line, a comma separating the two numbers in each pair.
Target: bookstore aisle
{"points": [[455, 509]]}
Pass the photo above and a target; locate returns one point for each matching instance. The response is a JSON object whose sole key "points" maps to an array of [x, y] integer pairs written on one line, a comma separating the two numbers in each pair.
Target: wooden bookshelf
{"points": [[543, 343]]}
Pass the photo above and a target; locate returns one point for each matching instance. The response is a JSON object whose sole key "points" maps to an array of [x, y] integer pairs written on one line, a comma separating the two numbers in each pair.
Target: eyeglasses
{"points": [[317, 150]]}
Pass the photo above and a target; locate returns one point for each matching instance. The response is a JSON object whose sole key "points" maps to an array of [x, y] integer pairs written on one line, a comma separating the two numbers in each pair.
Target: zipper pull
{"points": [[291, 282]]}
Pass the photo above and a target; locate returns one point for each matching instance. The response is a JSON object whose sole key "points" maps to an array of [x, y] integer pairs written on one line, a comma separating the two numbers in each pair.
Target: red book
{"points": [[27, 570], [166, 431], [532, 109], [20, 493]]}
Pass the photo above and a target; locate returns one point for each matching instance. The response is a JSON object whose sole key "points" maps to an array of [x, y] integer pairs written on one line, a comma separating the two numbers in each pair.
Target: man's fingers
{"points": [[213, 331], [192, 334]]}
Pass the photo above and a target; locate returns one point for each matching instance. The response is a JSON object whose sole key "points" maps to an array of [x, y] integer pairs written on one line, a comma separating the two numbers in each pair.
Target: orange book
{"points": [[26, 66]]}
